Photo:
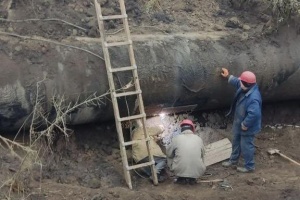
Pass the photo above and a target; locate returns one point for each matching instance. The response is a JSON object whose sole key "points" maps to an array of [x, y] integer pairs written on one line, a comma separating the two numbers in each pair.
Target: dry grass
{"points": [[285, 9], [152, 5], [42, 132]]}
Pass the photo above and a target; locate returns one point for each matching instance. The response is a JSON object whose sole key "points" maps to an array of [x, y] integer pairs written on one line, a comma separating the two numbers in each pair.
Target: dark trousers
{"points": [[160, 164]]}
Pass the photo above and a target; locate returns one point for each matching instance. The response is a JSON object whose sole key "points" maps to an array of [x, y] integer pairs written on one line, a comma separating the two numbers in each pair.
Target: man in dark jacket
{"points": [[247, 119]]}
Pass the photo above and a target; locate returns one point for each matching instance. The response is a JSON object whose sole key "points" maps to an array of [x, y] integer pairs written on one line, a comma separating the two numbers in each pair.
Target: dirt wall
{"points": [[174, 70]]}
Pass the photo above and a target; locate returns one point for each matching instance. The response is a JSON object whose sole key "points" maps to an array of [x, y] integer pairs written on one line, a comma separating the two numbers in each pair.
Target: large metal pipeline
{"points": [[174, 70]]}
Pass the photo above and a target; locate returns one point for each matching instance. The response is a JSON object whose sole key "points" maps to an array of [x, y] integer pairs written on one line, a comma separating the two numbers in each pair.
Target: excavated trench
{"points": [[177, 72], [174, 70], [91, 158]]}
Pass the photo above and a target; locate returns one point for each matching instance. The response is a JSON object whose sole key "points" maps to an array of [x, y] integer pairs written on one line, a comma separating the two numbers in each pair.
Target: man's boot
{"points": [[244, 170], [229, 164], [180, 180], [160, 178], [192, 181]]}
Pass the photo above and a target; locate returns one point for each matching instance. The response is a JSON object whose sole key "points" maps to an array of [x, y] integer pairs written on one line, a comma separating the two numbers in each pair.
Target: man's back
{"points": [[187, 151], [139, 150]]}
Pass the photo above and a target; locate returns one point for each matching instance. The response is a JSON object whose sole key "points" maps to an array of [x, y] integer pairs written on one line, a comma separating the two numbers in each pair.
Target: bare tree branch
{"points": [[50, 19], [49, 41]]}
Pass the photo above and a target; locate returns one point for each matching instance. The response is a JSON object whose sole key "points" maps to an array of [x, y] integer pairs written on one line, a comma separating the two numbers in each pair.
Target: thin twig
{"points": [[11, 143], [153, 27], [60, 123], [49, 41], [113, 33], [50, 19], [35, 108], [33, 9], [210, 181]]}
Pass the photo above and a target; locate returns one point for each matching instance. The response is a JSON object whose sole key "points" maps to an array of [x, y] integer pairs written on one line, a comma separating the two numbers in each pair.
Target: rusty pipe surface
{"points": [[174, 70]]}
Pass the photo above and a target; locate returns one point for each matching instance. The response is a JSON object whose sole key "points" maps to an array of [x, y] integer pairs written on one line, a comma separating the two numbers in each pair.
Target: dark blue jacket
{"points": [[247, 109]]}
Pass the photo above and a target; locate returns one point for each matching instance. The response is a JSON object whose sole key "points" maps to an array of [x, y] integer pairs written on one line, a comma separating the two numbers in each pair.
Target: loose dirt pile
{"points": [[48, 18]]}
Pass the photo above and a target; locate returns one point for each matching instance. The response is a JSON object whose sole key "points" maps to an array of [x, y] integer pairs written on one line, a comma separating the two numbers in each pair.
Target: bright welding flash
{"points": [[162, 115]]}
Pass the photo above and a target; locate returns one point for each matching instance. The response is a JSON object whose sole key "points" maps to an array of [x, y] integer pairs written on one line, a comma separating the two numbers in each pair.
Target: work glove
{"points": [[225, 73], [162, 129]]}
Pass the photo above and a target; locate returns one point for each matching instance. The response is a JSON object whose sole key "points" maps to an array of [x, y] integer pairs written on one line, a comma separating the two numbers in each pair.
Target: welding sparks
{"points": [[162, 115]]}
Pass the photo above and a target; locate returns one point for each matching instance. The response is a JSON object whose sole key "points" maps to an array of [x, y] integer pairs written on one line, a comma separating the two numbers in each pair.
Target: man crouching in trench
{"points": [[140, 153], [185, 155]]}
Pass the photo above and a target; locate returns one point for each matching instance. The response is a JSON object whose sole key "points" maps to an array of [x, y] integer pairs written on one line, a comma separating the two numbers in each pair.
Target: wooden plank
{"points": [[212, 159], [219, 149], [217, 152], [217, 158], [218, 144]]}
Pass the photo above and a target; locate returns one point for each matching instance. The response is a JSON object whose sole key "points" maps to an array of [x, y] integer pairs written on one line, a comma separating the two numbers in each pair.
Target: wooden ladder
{"points": [[115, 93]]}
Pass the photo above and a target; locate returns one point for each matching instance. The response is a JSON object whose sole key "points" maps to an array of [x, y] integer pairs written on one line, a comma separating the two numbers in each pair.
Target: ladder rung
{"points": [[132, 117], [128, 93], [114, 44], [141, 165], [112, 17], [135, 141], [123, 69]]}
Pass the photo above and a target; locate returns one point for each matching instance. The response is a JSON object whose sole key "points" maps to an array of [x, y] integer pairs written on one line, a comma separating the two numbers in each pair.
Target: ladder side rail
{"points": [[114, 100], [131, 54], [150, 155], [137, 86], [105, 50], [109, 69], [123, 154]]}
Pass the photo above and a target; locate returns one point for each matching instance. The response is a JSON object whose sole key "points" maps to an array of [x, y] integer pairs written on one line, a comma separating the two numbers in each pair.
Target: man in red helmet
{"points": [[185, 154], [247, 119]]}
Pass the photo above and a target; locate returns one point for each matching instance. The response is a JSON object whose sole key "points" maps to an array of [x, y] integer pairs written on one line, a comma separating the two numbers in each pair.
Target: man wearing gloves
{"points": [[246, 107], [140, 152]]}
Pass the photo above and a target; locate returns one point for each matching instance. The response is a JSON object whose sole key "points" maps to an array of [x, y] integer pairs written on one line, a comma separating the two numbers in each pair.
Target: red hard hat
{"points": [[248, 77], [188, 122]]}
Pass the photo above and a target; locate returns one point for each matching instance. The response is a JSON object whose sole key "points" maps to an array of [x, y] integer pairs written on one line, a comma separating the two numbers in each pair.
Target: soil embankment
{"points": [[180, 46]]}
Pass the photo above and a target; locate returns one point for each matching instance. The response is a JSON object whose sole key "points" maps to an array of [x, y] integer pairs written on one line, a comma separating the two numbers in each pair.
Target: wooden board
{"points": [[217, 152]]}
